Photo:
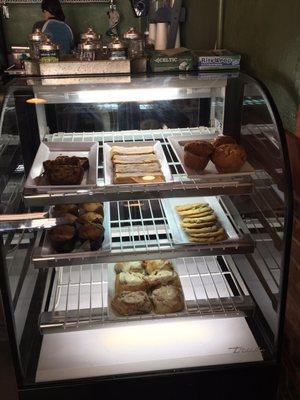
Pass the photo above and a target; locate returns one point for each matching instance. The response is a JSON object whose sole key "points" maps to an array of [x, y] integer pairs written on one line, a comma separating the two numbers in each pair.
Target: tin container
{"points": [[49, 51], [135, 43], [117, 50], [35, 39]]}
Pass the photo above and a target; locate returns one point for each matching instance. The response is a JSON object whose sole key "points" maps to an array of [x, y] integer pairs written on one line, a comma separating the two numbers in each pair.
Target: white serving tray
{"points": [[51, 150], [48, 252], [174, 220], [158, 150], [178, 143], [112, 314]]}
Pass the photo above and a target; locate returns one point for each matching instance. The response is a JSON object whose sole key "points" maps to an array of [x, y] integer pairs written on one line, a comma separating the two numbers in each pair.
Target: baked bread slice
{"points": [[130, 282], [157, 265], [138, 177], [134, 159], [125, 151], [143, 168], [167, 299], [131, 303], [131, 266]]}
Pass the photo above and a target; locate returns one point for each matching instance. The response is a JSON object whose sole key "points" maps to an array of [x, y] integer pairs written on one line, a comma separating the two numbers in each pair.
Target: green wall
{"points": [[200, 29], [78, 16], [267, 33]]}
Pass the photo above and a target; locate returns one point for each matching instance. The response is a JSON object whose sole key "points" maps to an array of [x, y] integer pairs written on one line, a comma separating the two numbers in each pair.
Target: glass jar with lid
{"points": [[117, 49], [89, 34], [135, 43], [35, 39], [87, 50], [48, 51]]}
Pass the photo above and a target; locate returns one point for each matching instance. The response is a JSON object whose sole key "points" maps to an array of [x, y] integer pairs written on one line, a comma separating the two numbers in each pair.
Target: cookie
{"points": [[196, 211], [216, 233], [196, 225], [208, 229], [190, 206]]}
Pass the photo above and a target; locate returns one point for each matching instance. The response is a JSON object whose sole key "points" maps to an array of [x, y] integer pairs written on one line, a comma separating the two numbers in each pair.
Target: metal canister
{"points": [[89, 34], [35, 39], [135, 43], [49, 51], [87, 50], [117, 50]]}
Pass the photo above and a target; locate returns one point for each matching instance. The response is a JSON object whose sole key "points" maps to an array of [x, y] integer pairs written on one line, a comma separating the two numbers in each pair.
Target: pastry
{"points": [[92, 207], [162, 277], [143, 168], [62, 238], [120, 150], [65, 160], [65, 208], [197, 154], [71, 218], [131, 266], [223, 139], [134, 159], [167, 299], [138, 177], [91, 217], [65, 175], [229, 158], [130, 281], [157, 265], [131, 303], [93, 233]]}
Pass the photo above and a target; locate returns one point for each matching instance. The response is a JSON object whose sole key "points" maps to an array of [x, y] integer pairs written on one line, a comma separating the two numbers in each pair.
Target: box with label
{"points": [[180, 59], [218, 59]]}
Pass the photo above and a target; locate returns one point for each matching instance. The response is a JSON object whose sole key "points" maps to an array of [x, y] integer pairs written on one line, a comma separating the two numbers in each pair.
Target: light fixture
{"points": [[36, 100]]}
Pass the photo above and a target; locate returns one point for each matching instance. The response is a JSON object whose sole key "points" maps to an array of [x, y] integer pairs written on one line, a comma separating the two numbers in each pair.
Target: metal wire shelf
{"points": [[182, 185], [79, 294], [140, 229]]}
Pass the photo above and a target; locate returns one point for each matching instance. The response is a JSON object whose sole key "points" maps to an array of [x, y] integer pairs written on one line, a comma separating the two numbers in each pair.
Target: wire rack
{"points": [[182, 185], [141, 229], [79, 296]]}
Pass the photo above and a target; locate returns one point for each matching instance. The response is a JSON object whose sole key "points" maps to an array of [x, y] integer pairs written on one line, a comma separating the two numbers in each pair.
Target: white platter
{"points": [[51, 150], [48, 252], [178, 234], [178, 142], [158, 150]]}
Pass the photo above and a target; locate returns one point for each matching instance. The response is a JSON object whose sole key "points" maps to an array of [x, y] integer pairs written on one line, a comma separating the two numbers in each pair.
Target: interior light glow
{"points": [[126, 95], [36, 100]]}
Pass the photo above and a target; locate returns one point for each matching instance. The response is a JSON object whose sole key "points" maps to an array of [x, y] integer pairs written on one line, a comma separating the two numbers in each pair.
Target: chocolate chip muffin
{"points": [[65, 209], [93, 234], [197, 154], [229, 158], [223, 139], [91, 217], [62, 238]]}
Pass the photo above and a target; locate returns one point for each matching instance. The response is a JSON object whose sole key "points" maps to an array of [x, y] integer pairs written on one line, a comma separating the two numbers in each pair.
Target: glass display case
{"points": [[221, 236]]}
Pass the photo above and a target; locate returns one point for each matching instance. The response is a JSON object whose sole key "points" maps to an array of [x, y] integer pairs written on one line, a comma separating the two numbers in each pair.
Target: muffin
{"points": [[92, 207], [229, 158], [91, 217], [131, 303], [62, 238], [71, 218], [223, 139], [167, 299], [65, 209], [197, 154], [93, 233]]}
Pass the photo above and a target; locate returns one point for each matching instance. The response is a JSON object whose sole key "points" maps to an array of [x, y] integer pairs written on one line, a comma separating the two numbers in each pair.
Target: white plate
{"points": [[47, 250], [178, 234], [158, 150], [111, 278], [51, 150], [178, 142]]}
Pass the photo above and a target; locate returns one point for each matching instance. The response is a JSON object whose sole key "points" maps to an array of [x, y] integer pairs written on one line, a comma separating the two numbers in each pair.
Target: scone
{"points": [[157, 265], [167, 299], [197, 154], [130, 282], [130, 266], [131, 303], [223, 139], [229, 158], [162, 277]]}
